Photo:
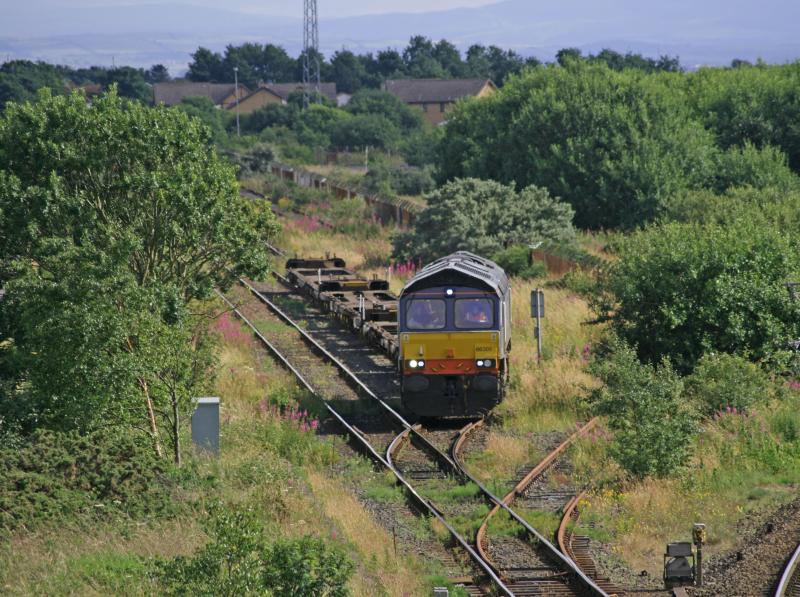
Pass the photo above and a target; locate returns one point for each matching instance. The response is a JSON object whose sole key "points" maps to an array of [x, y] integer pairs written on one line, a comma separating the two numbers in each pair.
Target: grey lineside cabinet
{"points": [[205, 425]]}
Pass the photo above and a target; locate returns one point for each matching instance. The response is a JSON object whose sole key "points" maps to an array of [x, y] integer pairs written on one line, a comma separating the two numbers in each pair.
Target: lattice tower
{"points": [[311, 81]]}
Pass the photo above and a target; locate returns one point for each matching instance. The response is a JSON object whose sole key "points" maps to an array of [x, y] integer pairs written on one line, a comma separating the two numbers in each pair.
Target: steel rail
{"points": [[393, 446], [790, 578], [535, 472], [587, 582], [385, 461]]}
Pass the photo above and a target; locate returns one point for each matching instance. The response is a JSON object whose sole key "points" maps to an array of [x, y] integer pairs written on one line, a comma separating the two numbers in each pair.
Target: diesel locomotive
{"points": [[449, 331], [454, 325]]}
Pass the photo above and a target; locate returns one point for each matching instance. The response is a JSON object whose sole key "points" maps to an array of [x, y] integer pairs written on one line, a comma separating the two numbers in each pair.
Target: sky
{"points": [[327, 8]]}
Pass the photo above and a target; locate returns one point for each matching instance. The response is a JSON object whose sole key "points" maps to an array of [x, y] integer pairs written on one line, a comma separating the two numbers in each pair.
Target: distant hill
{"points": [[700, 32]]}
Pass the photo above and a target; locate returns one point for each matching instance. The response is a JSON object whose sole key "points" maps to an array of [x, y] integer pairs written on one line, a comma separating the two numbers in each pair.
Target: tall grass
{"points": [[743, 462]]}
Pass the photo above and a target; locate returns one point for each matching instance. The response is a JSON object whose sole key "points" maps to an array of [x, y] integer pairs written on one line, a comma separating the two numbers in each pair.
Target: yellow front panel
{"points": [[449, 345]]}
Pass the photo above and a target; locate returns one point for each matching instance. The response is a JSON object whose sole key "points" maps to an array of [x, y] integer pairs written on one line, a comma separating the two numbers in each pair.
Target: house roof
{"points": [[174, 92], [283, 90], [413, 91]]}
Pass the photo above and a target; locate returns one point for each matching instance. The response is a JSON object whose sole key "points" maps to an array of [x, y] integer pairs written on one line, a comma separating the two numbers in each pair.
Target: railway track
{"points": [[528, 566], [372, 441], [439, 465], [789, 583]]}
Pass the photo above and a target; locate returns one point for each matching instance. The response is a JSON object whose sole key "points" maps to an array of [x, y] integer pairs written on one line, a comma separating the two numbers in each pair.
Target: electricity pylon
{"points": [[310, 53]]}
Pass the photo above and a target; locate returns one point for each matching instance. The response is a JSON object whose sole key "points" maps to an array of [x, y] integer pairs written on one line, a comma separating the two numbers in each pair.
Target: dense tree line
{"points": [[421, 58], [21, 79], [616, 144]]}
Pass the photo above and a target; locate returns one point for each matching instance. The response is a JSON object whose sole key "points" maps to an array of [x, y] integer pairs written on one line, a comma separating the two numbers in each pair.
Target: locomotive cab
{"points": [[454, 322]]}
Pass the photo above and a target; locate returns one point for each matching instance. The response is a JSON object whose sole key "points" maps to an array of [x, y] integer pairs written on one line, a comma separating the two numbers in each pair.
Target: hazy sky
{"points": [[328, 8]]}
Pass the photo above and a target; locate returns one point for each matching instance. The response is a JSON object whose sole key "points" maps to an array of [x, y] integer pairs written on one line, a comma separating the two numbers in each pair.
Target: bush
{"points": [[753, 167], [515, 260], [238, 561], [764, 207], [365, 130], [383, 103], [723, 381], [653, 427], [50, 476], [484, 217], [388, 180], [271, 115], [419, 147], [679, 291]]}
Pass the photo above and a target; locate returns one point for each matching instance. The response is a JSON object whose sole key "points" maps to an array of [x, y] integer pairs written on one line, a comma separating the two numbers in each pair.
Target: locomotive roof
{"points": [[461, 266]]}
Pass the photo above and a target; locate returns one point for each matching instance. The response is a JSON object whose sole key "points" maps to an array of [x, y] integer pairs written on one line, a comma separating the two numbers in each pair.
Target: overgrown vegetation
{"points": [[484, 217], [99, 315], [54, 478], [238, 560], [618, 144]]}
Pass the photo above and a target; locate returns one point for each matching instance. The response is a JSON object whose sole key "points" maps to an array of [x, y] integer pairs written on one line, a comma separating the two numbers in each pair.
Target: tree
{"points": [[615, 145], [205, 66], [679, 291], [20, 80], [158, 73], [390, 64], [446, 54], [484, 217], [115, 218], [757, 105], [566, 55], [347, 71], [191, 229], [652, 424], [204, 109]]}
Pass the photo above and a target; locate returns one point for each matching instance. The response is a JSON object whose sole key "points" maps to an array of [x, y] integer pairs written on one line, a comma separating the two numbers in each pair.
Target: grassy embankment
{"points": [[271, 460]]}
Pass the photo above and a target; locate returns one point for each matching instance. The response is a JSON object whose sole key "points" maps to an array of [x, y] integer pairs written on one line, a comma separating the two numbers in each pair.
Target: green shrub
{"points": [[50, 476], [388, 180], [749, 166], [306, 567], [239, 561], [515, 260], [653, 426], [579, 281], [682, 290], [484, 217], [723, 381], [365, 130]]}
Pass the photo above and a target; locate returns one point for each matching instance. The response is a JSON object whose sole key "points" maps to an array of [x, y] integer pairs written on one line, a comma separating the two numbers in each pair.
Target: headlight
{"points": [[485, 363], [414, 364]]}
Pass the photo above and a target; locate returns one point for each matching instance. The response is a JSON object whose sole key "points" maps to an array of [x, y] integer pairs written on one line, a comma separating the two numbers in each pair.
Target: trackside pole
{"points": [[537, 312]]}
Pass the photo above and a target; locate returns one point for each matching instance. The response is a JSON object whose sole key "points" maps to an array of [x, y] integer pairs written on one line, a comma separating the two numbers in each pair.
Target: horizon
{"points": [[142, 32]]}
